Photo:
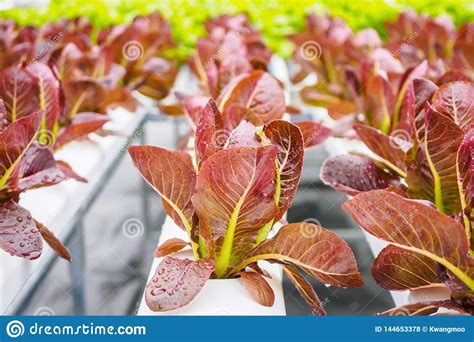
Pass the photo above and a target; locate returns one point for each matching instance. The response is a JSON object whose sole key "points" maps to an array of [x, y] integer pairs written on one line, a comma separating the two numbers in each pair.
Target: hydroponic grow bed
{"points": [[392, 106]]}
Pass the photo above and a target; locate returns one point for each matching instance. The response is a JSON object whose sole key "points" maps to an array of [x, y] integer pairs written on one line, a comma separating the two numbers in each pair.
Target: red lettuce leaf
{"points": [[456, 100], [432, 174], [80, 126], [290, 155], [194, 106], [169, 247], [352, 174], [424, 308], [305, 289], [172, 177], [416, 227], [53, 242], [210, 136], [176, 283], [388, 148], [258, 288], [245, 134], [19, 235], [28, 89], [258, 92], [313, 133], [37, 169], [319, 252], [234, 198], [465, 173], [16, 139], [398, 269]]}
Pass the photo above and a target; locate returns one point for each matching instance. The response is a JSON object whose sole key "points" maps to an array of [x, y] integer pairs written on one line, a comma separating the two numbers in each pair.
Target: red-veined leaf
{"points": [[47, 93], [83, 95], [56, 245], [245, 134], [257, 268], [172, 177], [26, 90], [258, 288], [19, 235], [352, 174], [399, 269], [259, 92], [411, 73], [16, 139], [432, 174], [388, 148], [313, 133], [424, 90], [170, 246], [456, 100], [379, 98], [305, 289], [210, 136], [412, 225], [3, 116], [37, 169], [423, 308], [176, 282], [80, 126], [465, 173], [319, 252], [290, 155], [193, 106], [234, 198]]}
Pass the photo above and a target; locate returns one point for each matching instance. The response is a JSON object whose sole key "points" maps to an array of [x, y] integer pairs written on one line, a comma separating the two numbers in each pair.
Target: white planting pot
{"points": [[219, 297]]}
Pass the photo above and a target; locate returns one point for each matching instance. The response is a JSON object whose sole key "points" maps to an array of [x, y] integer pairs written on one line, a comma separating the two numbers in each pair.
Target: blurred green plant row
{"points": [[274, 18]]}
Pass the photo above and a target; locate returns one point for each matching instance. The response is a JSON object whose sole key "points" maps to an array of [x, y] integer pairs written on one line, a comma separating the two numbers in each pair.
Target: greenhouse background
{"points": [[111, 225]]}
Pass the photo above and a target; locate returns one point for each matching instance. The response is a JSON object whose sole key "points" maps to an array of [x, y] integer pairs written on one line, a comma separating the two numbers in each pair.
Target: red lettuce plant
{"points": [[414, 38], [426, 248], [139, 48], [26, 164], [417, 188], [228, 201], [344, 64], [358, 74], [91, 81], [231, 48], [27, 88], [257, 97]]}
